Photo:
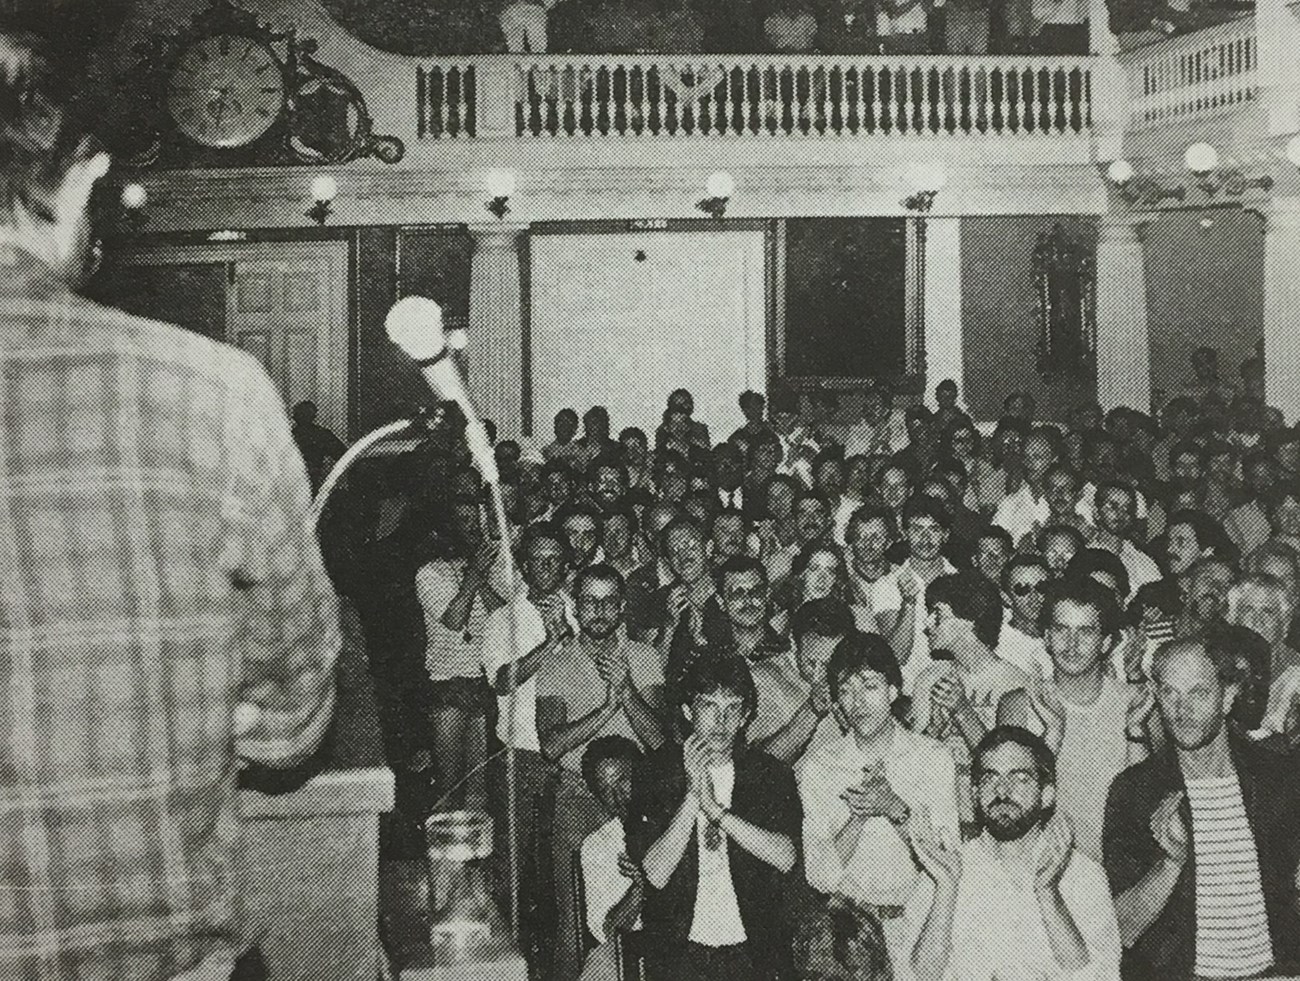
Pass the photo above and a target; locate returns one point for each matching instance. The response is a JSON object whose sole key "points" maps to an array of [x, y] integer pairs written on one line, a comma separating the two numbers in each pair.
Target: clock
{"points": [[226, 90]]}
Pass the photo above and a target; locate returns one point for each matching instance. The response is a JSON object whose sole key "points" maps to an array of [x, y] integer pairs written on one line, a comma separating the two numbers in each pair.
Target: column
{"points": [[943, 340], [1277, 33], [495, 355], [1282, 306], [1110, 91], [1123, 342]]}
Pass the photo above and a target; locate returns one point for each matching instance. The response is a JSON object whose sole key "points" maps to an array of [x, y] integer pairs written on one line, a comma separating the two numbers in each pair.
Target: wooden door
{"points": [[286, 303]]}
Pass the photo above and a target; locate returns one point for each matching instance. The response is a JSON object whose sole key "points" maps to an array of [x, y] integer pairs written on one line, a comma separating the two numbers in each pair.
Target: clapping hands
{"points": [[874, 797], [1168, 827], [695, 757], [941, 862], [1052, 854]]}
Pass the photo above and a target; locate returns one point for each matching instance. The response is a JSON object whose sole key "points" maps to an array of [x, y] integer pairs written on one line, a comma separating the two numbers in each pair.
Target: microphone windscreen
{"points": [[415, 325]]}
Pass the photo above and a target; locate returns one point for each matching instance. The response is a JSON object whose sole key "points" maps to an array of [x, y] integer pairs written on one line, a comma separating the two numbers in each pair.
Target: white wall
{"points": [[609, 330]]}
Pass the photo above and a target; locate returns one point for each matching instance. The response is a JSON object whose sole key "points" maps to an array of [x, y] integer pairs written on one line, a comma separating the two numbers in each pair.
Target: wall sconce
{"points": [[324, 189], [928, 180], [718, 190], [1202, 160], [500, 188], [133, 198], [1135, 188]]}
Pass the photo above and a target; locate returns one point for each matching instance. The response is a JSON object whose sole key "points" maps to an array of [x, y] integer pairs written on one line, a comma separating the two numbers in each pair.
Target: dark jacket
{"points": [[765, 795], [1271, 794]]}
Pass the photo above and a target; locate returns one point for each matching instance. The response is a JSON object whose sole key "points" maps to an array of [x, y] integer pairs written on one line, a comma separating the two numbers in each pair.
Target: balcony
{"points": [[764, 98]]}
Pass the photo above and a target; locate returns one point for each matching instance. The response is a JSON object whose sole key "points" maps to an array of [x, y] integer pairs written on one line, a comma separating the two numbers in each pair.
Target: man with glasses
{"points": [[602, 684], [1019, 901], [714, 825], [1024, 581]]}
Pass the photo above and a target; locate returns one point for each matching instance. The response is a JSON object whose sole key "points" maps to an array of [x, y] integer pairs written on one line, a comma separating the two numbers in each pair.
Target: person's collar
{"points": [[25, 274]]}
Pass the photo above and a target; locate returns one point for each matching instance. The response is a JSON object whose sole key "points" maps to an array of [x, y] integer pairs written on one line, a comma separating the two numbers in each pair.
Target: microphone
{"points": [[415, 325]]}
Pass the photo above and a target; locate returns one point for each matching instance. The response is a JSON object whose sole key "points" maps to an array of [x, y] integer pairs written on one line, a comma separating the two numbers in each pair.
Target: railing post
{"points": [[495, 98], [1110, 86], [1277, 32]]}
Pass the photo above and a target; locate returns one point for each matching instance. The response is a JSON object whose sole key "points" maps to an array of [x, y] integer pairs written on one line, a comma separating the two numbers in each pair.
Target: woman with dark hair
{"points": [[818, 572]]}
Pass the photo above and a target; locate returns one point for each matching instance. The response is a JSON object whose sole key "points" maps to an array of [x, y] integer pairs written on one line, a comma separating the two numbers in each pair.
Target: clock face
{"points": [[226, 90]]}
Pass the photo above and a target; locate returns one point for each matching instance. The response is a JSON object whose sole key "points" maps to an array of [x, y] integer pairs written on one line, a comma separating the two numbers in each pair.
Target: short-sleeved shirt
{"points": [[530, 633], [572, 682], [885, 596], [448, 653]]}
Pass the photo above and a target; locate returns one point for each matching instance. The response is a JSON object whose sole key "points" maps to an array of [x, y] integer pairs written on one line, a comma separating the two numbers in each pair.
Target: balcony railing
{"points": [[1194, 75], [701, 97]]}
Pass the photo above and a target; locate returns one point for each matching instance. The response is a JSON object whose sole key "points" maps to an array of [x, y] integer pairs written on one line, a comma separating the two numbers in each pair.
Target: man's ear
{"points": [[1231, 692], [73, 195], [1049, 795]]}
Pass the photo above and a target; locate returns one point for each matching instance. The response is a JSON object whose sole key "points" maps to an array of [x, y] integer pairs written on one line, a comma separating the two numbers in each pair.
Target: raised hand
{"points": [[1046, 700], [941, 863], [484, 556], [948, 694], [908, 588], [1140, 706], [820, 699], [1052, 854], [630, 870], [874, 797], [695, 757], [1168, 827]]}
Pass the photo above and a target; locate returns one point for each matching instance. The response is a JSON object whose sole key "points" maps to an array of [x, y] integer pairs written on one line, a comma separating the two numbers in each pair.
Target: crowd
{"points": [[1012, 706], [1045, 27]]}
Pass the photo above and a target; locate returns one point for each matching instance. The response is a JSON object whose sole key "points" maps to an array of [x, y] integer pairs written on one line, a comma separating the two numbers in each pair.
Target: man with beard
{"points": [[714, 824], [860, 790], [1018, 901], [607, 484], [738, 618], [1115, 517], [581, 526], [601, 684], [1202, 841]]}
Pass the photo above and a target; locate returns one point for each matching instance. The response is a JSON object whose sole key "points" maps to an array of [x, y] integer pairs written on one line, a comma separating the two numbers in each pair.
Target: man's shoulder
{"points": [[764, 765], [925, 751]]}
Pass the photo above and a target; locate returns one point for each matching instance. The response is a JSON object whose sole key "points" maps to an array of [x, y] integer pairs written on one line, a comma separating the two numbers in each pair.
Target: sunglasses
{"points": [[1025, 588]]}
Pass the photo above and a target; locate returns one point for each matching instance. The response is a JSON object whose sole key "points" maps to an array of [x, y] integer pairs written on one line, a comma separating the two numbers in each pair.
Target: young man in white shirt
{"points": [[1019, 901], [860, 791], [612, 884], [543, 622], [714, 824], [1116, 516], [898, 600]]}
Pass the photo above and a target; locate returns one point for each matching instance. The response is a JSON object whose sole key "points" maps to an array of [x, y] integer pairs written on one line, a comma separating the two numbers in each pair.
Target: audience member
{"points": [[1202, 842], [1019, 901], [613, 885], [860, 791], [715, 826], [1024, 582], [602, 684]]}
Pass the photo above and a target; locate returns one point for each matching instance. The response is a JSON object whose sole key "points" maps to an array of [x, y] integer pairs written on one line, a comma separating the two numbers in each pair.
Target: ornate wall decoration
{"points": [[228, 90], [1065, 287]]}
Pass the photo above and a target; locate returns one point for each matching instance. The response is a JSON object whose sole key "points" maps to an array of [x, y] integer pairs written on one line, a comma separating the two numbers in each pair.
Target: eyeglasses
{"points": [[1016, 779], [1025, 588]]}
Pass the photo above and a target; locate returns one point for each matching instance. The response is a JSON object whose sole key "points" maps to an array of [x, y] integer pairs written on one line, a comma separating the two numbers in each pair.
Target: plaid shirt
{"points": [[156, 570]]}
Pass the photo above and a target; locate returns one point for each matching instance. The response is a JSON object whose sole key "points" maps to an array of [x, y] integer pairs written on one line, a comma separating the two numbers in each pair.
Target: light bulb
{"points": [[720, 184], [457, 339], [1120, 172], [134, 196], [1201, 158], [501, 183], [324, 188]]}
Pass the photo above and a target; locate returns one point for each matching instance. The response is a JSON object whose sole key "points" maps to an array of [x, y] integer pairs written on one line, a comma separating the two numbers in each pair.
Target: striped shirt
{"points": [[1232, 938]]}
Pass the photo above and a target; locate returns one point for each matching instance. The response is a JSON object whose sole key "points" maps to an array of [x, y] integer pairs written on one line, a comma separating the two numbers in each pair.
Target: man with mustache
{"points": [[1018, 901], [1202, 841], [714, 825]]}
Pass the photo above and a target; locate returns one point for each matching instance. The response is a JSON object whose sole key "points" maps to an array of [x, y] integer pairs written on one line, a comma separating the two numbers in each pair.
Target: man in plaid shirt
{"points": [[164, 611]]}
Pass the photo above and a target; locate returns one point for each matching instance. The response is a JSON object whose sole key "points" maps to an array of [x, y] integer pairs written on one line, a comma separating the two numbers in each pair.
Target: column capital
{"points": [[497, 235], [1281, 215], [1119, 230]]}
